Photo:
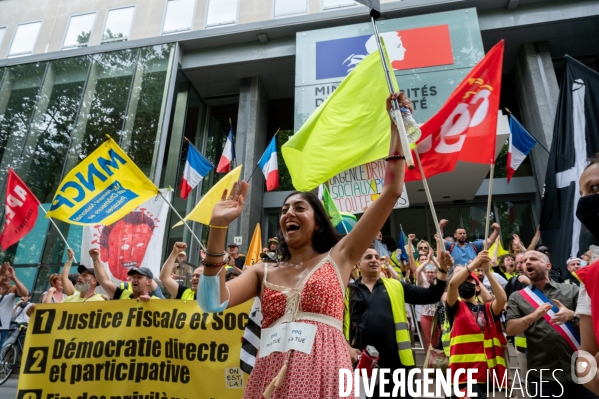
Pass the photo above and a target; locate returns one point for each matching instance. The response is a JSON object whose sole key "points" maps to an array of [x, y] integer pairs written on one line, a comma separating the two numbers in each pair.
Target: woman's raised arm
{"points": [[352, 246]]}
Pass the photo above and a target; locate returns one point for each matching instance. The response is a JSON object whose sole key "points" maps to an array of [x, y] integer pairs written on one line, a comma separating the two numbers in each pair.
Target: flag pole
{"points": [[489, 196], [430, 199], [395, 111], [183, 221], [232, 145], [59, 232], [254, 171], [530, 134], [256, 168]]}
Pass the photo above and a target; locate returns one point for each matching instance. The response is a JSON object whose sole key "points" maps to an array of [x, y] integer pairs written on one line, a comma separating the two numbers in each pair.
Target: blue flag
{"points": [[402, 245]]}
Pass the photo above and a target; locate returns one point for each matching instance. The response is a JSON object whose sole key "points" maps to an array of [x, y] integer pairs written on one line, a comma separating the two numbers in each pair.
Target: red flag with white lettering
{"points": [[21, 209], [465, 127]]}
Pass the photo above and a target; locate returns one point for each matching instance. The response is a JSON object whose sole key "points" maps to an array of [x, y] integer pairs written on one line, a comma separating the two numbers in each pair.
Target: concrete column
{"points": [[250, 143], [538, 93]]}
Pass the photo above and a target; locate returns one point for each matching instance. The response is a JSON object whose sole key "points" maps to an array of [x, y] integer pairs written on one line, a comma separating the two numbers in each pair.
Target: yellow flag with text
{"points": [[102, 189], [130, 349], [203, 210]]}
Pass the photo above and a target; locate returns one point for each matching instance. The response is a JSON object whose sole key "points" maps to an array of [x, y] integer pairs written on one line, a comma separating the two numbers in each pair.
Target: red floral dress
{"points": [[319, 301]]}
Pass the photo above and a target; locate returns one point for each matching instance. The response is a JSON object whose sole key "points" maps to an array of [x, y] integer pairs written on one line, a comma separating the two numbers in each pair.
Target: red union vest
{"points": [[472, 349]]}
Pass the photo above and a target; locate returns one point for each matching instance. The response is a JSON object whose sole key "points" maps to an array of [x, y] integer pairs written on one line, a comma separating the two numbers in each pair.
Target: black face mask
{"points": [[588, 213], [467, 290]]}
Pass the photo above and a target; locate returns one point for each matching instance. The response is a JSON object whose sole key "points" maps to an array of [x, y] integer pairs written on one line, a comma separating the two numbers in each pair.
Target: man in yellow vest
{"points": [[141, 280], [375, 313], [175, 288]]}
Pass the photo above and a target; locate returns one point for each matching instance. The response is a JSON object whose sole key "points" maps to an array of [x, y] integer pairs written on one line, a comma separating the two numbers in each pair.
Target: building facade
{"points": [[153, 73]]}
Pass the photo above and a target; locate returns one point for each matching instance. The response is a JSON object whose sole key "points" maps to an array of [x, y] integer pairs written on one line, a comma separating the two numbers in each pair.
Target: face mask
{"points": [[209, 294], [583, 263], [467, 290], [588, 213]]}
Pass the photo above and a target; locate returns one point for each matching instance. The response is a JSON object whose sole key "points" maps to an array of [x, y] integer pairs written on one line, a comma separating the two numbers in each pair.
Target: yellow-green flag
{"points": [[349, 129], [101, 189], [203, 210], [330, 207]]}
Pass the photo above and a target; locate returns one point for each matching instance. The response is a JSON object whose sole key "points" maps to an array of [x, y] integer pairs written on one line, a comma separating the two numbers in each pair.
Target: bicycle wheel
{"points": [[8, 358]]}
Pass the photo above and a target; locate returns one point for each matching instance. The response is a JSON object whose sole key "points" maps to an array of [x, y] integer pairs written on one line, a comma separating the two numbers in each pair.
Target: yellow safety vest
{"points": [[126, 294], [187, 294], [398, 308], [520, 343], [446, 336]]}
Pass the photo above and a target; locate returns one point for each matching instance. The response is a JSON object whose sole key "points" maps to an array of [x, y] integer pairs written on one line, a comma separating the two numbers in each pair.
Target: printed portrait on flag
{"points": [[131, 242]]}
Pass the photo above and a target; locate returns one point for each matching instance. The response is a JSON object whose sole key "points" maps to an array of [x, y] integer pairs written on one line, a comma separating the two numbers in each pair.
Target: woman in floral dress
{"points": [[308, 283]]}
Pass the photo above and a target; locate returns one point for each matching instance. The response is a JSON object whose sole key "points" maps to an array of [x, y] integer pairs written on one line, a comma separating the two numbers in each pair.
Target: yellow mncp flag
{"points": [[255, 247], [102, 189], [203, 210]]}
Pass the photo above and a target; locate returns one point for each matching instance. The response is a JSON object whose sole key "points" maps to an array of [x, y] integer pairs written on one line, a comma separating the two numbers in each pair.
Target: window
{"points": [[284, 8], [179, 16], [221, 12], [24, 39], [329, 4], [2, 33], [118, 24], [79, 31]]}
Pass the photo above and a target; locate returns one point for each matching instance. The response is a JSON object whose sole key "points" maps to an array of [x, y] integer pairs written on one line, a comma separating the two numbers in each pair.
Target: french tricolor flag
{"points": [[196, 168], [520, 145], [270, 166], [224, 165]]}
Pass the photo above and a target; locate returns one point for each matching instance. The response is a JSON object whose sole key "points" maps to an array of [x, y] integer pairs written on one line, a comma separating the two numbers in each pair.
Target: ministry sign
{"points": [[430, 54]]}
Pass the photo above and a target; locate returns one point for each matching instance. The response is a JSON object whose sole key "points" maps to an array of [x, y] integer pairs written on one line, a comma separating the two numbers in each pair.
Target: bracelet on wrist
{"points": [[394, 157], [217, 227], [209, 264], [216, 255], [442, 270], [524, 321]]}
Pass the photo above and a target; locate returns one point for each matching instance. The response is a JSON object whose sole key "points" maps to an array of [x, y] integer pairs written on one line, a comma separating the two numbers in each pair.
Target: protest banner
{"points": [[160, 349], [102, 188], [357, 188], [133, 241]]}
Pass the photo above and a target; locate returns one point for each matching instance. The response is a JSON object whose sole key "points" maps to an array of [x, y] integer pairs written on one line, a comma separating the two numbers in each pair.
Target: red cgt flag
{"points": [[465, 127], [20, 211]]}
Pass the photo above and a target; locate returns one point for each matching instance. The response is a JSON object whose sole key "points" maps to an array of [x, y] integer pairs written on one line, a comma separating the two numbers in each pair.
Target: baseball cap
{"points": [[273, 239], [144, 271], [82, 269], [233, 245], [183, 253]]}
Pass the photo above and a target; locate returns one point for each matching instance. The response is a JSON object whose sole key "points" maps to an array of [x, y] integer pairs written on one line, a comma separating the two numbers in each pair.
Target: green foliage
{"points": [[83, 38]]}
